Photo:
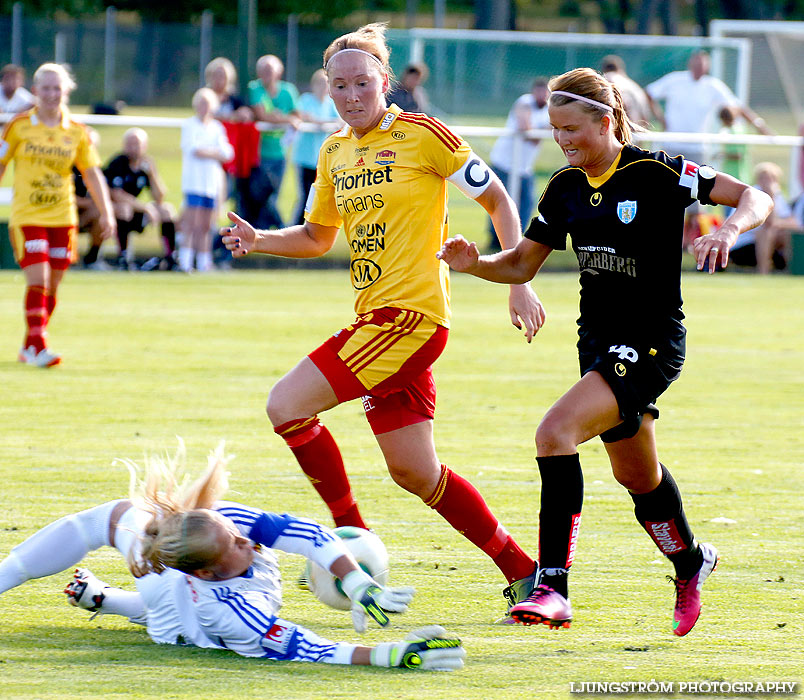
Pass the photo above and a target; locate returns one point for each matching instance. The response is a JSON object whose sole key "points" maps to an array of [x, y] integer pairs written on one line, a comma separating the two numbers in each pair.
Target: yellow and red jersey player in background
{"points": [[45, 143]]}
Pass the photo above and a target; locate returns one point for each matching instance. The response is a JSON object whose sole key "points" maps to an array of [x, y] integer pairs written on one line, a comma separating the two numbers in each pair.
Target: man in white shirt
{"points": [[13, 97], [528, 112], [692, 99]]}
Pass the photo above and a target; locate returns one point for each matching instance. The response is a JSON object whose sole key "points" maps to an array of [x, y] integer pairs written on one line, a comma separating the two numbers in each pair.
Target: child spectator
{"points": [[205, 149]]}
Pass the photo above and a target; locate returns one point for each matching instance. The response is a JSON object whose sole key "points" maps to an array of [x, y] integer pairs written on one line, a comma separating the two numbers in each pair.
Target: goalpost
{"points": [[482, 72], [773, 78]]}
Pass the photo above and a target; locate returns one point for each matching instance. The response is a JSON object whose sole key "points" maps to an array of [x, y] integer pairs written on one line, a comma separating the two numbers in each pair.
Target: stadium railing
{"points": [[794, 143], [648, 137]]}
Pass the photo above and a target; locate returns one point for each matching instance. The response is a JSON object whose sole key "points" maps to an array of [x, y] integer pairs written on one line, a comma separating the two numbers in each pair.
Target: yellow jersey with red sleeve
{"points": [[388, 190], [43, 157]]}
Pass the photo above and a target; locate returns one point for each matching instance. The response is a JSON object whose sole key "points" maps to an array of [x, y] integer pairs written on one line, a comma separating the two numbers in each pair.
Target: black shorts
{"points": [[636, 373]]}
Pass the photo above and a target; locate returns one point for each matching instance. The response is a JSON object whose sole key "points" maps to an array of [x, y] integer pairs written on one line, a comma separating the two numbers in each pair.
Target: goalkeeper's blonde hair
{"points": [[181, 533]]}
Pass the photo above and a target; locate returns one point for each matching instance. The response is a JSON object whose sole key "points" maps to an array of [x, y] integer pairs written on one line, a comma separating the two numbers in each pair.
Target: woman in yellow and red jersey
{"points": [[44, 144], [383, 178]]}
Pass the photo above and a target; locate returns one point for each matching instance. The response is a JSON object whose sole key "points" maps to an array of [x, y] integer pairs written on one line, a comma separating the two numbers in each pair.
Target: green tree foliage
{"points": [[225, 11]]}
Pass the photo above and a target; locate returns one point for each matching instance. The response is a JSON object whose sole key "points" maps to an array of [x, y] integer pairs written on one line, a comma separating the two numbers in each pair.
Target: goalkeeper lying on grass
{"points": [[232, 594]]}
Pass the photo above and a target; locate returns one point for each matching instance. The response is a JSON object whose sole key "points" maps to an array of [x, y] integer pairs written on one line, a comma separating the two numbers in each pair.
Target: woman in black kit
{"points": [[623, 208]]}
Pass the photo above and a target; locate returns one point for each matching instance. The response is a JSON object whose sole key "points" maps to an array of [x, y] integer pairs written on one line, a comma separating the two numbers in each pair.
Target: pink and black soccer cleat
{"points": [[688, 593], [543, 606]]}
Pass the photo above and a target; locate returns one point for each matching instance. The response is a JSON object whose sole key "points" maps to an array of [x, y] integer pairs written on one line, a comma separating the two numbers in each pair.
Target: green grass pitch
{"points": [[151, 356]]}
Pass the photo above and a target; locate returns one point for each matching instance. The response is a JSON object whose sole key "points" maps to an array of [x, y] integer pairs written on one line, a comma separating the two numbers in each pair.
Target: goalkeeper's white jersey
{"points": [[240, 613]]}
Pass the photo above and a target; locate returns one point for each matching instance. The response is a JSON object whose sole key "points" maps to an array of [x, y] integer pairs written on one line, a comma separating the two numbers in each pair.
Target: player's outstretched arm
{"points": [[751, 208], [513, 266], [427, 648], [459, 254], [308, 240], [370, 599]]}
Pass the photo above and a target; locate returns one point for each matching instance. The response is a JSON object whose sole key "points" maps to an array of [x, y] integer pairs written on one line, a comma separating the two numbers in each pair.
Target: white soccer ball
{"points": [[371, 555]]}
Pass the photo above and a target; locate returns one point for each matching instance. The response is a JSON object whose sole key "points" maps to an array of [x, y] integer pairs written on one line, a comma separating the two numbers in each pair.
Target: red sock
{"points": [[35, 317], [50, 304], [462, 506], [320, 459]]}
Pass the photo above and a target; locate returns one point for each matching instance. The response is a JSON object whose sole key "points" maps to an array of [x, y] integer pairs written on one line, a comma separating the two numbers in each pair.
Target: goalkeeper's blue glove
{"points": [[426, 648], [369, 599]]}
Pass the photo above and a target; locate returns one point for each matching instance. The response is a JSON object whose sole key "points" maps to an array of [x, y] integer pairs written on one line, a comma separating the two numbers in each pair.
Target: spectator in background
{"points": [[205, 149], [528, 112], [692, 99], [128, 174], [637, 104], [238, 120], [274, 101], [221, 77], [408, 94], [315, 107], [732, 158], [43, 213], [13, 96], [798, 182], [767, 246]]}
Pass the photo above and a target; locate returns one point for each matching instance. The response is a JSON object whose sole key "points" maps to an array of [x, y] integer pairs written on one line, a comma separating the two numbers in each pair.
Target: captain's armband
{"points": [[473, 177]]}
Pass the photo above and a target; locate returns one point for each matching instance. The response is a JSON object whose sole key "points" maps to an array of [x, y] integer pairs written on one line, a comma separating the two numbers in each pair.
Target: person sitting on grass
{"points": [[767, 247], [128, 174]]}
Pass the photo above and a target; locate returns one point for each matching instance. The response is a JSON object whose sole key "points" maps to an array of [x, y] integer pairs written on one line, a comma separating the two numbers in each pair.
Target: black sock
{"points": [[92, 255], [169, 236], [661, 513], [123, 230], [559, 517]]}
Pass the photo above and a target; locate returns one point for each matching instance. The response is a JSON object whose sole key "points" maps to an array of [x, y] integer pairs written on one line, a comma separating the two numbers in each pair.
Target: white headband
{"points": [[583, 99], [366, 53]]}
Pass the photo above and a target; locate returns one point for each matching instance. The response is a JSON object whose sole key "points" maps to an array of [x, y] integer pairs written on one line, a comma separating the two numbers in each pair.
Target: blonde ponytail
{"points": [[180, 533]]}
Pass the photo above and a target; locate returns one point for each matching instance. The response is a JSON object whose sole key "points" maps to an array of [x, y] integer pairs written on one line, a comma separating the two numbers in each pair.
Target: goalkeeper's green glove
{"points": [[426, 648], [369, 599]]}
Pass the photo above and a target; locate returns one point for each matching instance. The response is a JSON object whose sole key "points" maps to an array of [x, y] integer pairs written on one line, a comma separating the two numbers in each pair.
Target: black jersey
{"points": [[120, 175], [626, 230]]}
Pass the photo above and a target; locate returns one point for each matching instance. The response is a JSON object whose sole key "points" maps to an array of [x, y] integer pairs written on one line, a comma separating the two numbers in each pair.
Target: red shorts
{"points": [[43, 244], [385, 357]]}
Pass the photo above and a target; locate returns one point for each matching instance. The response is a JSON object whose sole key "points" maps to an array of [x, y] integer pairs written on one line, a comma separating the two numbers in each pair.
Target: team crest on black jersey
{"points": [[626, 211]]}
